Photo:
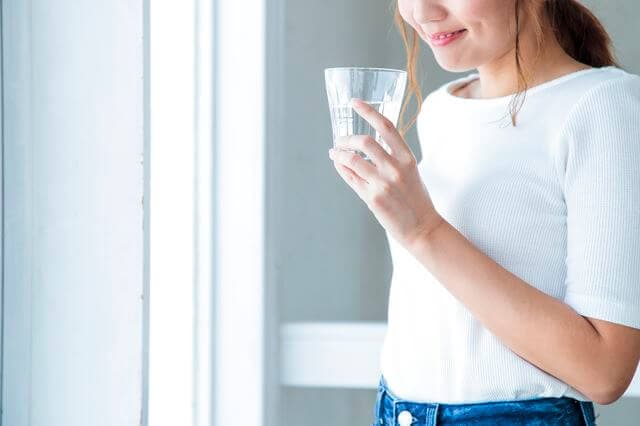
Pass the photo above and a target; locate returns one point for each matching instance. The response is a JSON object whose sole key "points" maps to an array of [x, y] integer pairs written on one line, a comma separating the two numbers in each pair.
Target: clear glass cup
{"points": [[382, 88]]}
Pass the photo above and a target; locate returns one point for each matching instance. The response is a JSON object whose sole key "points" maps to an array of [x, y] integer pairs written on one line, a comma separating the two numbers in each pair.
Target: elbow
{"points": [[606, 398], [610, 392]]}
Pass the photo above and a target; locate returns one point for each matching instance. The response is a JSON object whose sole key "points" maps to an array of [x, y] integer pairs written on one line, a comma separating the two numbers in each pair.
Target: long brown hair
{"points": [[578, 31]]}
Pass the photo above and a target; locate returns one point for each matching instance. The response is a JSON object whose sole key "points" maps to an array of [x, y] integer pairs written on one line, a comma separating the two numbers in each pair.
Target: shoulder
{"points": [[616, 89], [602, 129], [611, 100]]}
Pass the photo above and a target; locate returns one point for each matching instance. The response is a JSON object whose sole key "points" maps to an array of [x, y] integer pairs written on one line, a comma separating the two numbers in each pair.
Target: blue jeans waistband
{"points": [[392, 410]]}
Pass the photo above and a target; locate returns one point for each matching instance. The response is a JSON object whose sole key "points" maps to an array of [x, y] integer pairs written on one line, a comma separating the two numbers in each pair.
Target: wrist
{"points": [[424, 234]]}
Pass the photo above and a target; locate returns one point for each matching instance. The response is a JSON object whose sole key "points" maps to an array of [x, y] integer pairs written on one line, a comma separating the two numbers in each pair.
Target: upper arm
{"points": [[601, 188]]}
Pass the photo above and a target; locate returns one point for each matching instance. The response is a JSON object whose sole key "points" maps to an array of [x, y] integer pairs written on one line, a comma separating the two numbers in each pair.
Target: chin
{"points": [[454, 66]]}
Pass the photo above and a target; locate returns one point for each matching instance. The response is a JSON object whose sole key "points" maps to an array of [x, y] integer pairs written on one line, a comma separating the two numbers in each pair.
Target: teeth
{"points": [[447, 35]]}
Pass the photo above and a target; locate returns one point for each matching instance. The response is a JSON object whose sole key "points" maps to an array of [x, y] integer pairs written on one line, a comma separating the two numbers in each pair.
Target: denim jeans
{"points": [[393, 411]]}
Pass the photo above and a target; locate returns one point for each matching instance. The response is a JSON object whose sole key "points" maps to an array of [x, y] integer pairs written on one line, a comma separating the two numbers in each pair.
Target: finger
{"points": [[367, 144], [356, 183], [384, 127], [355, 162]]}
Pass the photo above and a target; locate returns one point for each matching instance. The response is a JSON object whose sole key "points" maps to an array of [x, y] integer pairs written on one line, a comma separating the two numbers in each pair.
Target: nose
{"points": [[427, 10]]}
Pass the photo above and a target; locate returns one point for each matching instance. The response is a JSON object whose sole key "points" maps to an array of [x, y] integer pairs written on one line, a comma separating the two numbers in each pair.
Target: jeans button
{"points": [[405, 418]]}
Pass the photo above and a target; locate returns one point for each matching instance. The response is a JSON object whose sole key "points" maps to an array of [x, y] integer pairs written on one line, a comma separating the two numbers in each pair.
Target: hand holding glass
{"points": [[382, 88]]}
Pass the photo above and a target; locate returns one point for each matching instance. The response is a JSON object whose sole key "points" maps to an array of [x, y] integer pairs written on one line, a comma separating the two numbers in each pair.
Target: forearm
{"points": [[540, 328]]}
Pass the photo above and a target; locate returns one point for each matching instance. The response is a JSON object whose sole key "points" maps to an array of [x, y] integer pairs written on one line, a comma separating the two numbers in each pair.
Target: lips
{"points": [[445, 34]]}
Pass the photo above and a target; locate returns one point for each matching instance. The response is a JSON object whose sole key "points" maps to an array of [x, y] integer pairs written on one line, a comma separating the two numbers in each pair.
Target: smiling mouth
{"points": [[443, 36]]}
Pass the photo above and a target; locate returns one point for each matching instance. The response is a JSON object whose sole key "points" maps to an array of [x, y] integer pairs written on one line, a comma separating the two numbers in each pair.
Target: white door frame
{"points": [[213, 323]]}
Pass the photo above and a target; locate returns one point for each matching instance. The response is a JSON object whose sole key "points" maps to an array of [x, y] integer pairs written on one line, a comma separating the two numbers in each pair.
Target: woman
{"points": [[515, 296]]}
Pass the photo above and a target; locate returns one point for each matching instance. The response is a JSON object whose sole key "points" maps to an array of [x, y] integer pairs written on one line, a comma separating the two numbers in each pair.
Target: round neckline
{"points": [[502, 99]]}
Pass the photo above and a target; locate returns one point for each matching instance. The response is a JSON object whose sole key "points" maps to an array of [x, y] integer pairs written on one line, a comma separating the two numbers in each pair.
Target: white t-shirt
{"points": [[554, 200]]}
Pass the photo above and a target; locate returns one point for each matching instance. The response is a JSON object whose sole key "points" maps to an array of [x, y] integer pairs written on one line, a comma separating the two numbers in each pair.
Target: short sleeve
{"points": [[601, 186]]}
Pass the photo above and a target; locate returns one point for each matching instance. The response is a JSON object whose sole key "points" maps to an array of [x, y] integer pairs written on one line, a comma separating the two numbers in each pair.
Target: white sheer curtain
{"points": [[73, 186]]}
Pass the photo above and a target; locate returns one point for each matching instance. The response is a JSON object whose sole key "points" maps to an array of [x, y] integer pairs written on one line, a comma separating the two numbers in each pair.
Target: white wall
{"points": [[73, 278]]}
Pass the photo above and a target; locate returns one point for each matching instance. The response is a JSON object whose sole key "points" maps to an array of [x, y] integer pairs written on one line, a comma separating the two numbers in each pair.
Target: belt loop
{"points": [[435, 414], [379, 400], [586, 407]]}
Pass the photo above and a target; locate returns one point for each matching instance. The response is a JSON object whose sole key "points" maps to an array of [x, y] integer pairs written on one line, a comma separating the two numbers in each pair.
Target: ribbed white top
{"points": [[555, 200]]}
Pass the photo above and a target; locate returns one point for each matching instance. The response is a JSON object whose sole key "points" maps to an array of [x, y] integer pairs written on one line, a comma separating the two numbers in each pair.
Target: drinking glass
{"points": [[382, 88]]}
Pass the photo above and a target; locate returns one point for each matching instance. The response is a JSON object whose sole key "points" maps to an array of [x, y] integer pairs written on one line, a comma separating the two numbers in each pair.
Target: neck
{"points": [[499, 77]]}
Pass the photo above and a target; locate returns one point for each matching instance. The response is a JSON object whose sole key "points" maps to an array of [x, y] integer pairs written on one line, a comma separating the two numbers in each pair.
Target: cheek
{"points": [[480, 8], [405, 7], [486, 8], [496, 16], [492, 22], [484, 15]]}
